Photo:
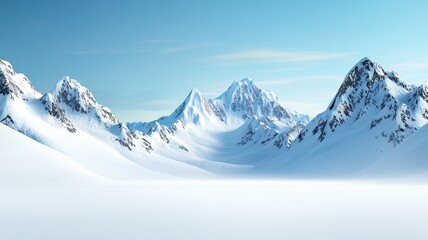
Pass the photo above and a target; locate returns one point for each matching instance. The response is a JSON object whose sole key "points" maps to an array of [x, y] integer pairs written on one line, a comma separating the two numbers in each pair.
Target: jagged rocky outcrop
{"points": [[8, 121], [78, 100], [260, 131], [15, 85], [55, 111], [124, 136], [142, 140]]}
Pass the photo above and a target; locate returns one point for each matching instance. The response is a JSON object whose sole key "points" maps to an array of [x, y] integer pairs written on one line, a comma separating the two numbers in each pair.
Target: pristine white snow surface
{"points": [[216, 210]]}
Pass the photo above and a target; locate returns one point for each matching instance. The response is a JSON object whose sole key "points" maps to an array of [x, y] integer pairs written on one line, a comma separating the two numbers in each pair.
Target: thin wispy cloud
{"points": [[288, 81], [117, 51], [174, 50], [85, 52], [177, 49], [160, 41], [411, 66], [137, 50], [272, 56], [214, 93], [153, 104], [310, 108]]}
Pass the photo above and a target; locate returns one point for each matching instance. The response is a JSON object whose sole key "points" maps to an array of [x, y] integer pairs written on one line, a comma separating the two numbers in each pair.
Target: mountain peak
{"points": [[245, 81], [6, 66], [72, 84], [365, 60], [195, 93], [193, 107], [71, 94], [243, 85], [15, 85], [363, 75], [366, 64]]}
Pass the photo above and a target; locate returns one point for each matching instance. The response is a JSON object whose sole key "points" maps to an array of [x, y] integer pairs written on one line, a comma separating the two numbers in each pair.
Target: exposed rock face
{"points": [[70, 95], [124, 136], [55, 111], [8, 121], [15, 85]]}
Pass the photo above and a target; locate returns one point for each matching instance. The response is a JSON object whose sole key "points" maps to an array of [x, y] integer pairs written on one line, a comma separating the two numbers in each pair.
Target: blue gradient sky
{"points": [[141, 58]]}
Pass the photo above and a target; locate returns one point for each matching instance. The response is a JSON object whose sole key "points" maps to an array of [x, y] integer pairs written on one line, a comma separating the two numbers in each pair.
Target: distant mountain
{"points": [[243, 100], [247, 113], [266, 120]]}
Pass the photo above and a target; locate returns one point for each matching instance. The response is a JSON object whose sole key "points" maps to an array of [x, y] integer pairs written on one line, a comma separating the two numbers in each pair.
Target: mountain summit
{"points": [[77, 100], [243, 99], [15, 85], [195, 109]]}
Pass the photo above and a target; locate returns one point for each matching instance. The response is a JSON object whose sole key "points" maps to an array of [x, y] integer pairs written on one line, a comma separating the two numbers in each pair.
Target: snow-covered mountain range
{"points": [[244, 130]]}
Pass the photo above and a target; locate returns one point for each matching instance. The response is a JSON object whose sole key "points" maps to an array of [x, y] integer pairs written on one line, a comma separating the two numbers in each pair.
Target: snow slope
{"points": [[409, 158], [25, 162]]}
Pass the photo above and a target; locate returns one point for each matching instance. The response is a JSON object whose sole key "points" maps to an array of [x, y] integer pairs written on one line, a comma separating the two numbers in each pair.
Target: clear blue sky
{"points": [[141, 58]]}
